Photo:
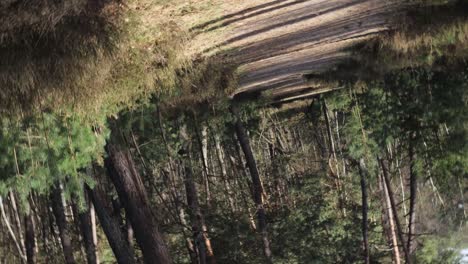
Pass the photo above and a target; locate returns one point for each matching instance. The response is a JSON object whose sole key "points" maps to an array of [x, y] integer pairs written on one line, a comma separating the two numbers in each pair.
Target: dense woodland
{"points": [[112, 154]]}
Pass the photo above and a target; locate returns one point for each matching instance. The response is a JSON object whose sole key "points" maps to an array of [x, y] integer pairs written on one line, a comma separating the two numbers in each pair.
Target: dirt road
{"points": [[276, 42]]}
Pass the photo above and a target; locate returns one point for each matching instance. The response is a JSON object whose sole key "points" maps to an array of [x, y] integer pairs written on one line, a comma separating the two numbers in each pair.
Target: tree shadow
{"points": [[300, 16], [241, 12], [261, 12], [278, 63]]}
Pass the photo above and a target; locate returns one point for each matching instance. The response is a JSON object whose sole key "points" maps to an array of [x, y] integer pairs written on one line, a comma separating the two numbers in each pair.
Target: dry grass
{"points": [[448, 40], [99, 58], [201, 86], [167, 57], [91, 59], [143, 69], [62, 65], [43, 16]]}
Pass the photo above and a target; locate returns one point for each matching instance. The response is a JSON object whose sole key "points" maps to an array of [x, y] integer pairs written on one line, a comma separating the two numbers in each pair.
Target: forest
{"points": [[136, 131]]}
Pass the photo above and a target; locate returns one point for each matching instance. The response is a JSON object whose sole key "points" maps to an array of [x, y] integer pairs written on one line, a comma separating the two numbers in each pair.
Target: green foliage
{"points": [[419, 107], [437, 250], [314, 232], [39, 151]]}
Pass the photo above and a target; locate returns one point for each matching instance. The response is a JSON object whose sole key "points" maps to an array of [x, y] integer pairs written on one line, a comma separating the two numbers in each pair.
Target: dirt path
{"points": [[276, 42]]}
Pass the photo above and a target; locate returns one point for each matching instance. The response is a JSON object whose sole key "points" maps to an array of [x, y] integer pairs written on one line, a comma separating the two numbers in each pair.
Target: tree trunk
{"points": [[111, 227], [244, 142], [129, 235], [87, 233], [203, 143], [334, 164], [132, 194], [222, 165], [124, 223], [58, 209], [48, 233], [403, 192], [16, 215], [192, 251], [363, 174], [92, 214], [388, 187], [199, 230], [412, 204], [10, 230], [30, 237], [393, 241]]}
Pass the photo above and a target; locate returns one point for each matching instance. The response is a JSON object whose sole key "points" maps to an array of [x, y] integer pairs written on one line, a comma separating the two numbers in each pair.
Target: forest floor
{"points": [[275, 43]]}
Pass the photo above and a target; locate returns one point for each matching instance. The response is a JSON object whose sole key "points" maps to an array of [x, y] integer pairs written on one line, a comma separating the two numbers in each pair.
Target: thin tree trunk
{"points": [[133, 195], [195, 216], [111, 227], [413, 193], [275, 166], [55, 242], [204, 151], [339, 143], [58, 209], [244, 142], [92, 214], [37, 218], [192, 251], [336, 168], [45, 222], [403, 192], [462, 195], [10, 230], [16, 215], [363, 174], [199, 230], [394, 210], [222, 165], [331, 141], [388, 209]]}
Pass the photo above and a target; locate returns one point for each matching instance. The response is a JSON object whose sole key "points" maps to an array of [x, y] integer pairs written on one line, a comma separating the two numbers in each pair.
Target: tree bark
{"points": [[394, 210], [30, 237], [244, 142], [132, 193], [393, 241], [84, 218], [412, 204], [199, 230], [203, 143], [363, 174], [58, 209], [111, 227]]}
